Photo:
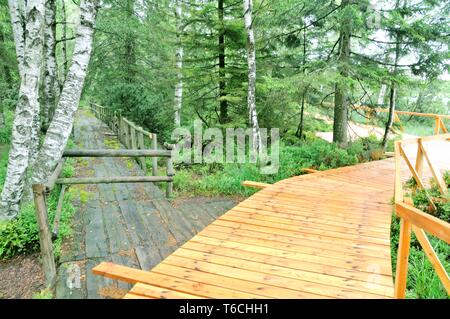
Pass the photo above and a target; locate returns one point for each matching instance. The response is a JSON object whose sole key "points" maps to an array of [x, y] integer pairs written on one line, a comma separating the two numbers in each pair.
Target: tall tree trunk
{"points": [[64, 45], [27, 108], [223, 103], [380, 100], [49, 80], [393, 88], [130, 47], [179, 66], [341, 101], [299, 132], [251, 61], [392, 94], [61, 125], [17, 13]]}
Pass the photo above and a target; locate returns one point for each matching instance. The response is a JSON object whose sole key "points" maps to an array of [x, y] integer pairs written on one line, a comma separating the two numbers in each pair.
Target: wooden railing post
{"points": [[127, 135], [45, 238], [141, 146], [437, 125], [133, 138], [154, 159], [401, 272], [170, 172], [398, 187]]}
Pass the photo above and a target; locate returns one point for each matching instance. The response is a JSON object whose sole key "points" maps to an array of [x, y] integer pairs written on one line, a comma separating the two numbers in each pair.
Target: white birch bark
{"points": [[49, 80], [179, 66], [59, 130], [381, 95], [251, 61], [63, 72], [27, 106], [17, 12]]}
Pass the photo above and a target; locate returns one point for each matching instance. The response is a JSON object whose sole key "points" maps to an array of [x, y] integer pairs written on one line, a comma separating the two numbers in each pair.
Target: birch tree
{"points": [[49, 80], [64, 45], [59, 130], [179, 66], [251, 61], [29, 45], [17, 11]]}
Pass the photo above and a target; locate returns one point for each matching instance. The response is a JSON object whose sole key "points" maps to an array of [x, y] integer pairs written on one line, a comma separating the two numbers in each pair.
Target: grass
{"points": [[226, 179]]}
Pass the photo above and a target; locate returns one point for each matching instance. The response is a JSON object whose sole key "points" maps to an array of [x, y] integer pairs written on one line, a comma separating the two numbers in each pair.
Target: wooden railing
{"points": [[132, 137], [439, 125], [411, 218], [129, 134]]}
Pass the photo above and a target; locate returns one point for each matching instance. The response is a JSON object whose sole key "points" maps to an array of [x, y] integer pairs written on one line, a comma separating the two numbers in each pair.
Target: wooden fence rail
{"points": [[439, 125], [129, 134], [414, 220]]}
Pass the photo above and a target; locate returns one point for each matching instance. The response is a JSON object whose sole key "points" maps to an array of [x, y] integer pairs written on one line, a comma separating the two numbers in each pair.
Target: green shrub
{"points": [[21, 235], [214, 179]]}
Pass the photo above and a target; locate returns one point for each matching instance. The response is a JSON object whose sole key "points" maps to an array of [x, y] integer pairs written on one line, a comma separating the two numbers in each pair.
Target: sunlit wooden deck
{"points": [[322, 235]]}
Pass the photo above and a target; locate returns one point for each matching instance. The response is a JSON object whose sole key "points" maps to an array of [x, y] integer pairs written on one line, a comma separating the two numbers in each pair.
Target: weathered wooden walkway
{"points": [[323, 235], [130, 224]]}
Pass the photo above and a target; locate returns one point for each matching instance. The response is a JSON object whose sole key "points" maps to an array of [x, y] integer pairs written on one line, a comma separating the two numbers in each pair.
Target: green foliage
{"points": [[21, 235], [43, 294], [226, 179]]}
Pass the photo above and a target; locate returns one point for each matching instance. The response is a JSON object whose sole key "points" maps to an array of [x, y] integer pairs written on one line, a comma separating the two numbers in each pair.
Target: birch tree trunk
{"points": [[179, 66], [61, 125], [251, 61], [49, 81], [27, 107], [64, 45], [380, 101], [17, 13]]}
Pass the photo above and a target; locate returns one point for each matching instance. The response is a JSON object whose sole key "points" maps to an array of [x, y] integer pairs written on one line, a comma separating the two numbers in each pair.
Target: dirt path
{"points": [[129, 224]]}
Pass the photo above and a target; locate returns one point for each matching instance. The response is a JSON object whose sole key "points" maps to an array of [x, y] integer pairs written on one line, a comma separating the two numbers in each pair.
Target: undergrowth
{"points": [[21, 235]]}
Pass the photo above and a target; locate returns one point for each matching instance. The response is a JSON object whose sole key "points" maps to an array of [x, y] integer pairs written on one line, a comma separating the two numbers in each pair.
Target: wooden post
{"points": [[58, 212], [402, 259], [133, 143], [141, 146], [127, 135], [437, 125], [170, 173], [419, 161], [45, 239], [154, 159], [398, 187]]}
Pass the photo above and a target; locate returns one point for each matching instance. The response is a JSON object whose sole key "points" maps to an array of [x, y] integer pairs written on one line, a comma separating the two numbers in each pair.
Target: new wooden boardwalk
{"points": [[323, 235]]}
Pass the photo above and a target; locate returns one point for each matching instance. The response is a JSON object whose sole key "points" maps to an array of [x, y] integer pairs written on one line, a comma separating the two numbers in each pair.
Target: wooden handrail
{"points": [[427, 222], [413, 219], [132, 136]]}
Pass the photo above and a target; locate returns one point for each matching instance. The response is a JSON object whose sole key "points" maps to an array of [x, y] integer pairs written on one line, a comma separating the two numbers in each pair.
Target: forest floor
{"points": [[129, 224], [21, 277]]}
